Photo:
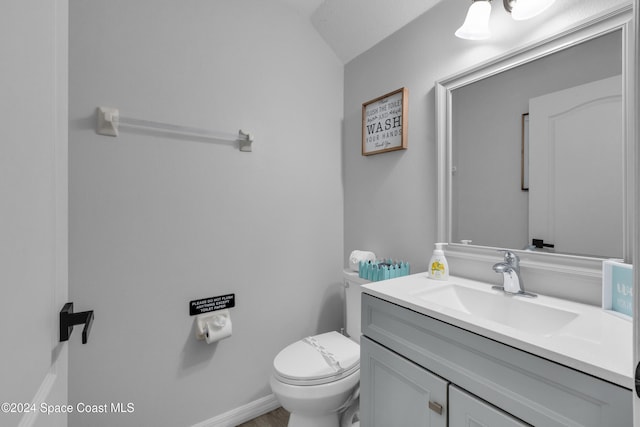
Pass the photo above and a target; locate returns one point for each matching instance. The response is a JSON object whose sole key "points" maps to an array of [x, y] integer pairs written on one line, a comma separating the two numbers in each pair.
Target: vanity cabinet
{"points": [[396, 392], [411, 362]]}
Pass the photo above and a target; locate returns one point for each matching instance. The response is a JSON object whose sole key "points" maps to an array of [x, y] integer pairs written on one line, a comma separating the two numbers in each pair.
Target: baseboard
{"points": [[242, 414]]}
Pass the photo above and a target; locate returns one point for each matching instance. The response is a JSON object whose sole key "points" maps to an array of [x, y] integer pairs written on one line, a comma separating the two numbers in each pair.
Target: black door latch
{"points": [[539, 243], [638, 380], [68, 319]]}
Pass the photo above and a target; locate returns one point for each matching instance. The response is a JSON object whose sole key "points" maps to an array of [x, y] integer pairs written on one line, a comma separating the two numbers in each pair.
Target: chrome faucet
{"points": [[511, 279]]}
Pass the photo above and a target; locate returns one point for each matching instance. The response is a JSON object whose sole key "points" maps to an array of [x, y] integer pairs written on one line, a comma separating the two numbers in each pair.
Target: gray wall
{"points": [[158, 220], [390, 199]]}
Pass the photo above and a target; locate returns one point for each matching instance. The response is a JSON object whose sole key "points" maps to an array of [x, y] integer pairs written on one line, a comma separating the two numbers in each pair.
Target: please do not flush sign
{"points": [[206, 305]]}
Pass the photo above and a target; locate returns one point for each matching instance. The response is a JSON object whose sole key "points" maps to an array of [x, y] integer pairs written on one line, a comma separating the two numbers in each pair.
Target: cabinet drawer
{"points": [[469, 411], [536, 390]]}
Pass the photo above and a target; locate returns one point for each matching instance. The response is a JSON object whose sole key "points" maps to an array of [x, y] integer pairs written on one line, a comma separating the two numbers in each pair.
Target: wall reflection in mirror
{"points": [[571, 196]]}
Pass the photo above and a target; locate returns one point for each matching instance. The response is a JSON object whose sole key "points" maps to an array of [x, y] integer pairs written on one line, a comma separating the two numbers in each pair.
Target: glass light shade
{"points": [[476, 24], [527, 9]]}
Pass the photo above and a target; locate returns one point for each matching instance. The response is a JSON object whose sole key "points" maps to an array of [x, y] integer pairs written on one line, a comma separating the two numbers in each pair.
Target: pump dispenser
{"points": [[438, 267]]}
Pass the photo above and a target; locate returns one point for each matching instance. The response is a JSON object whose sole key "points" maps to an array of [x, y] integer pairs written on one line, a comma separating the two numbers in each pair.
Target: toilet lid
{"points": [[317, 360]]}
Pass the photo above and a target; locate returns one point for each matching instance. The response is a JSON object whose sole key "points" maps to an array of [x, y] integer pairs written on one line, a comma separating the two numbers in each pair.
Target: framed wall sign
{"points": [[384, 123]]}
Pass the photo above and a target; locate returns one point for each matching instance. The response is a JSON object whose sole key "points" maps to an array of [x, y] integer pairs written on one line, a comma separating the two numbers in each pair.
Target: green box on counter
{"points": [[382, 269]]}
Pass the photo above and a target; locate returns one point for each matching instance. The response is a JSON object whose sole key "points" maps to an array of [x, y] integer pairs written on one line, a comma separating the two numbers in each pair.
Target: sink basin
{"points": [[507, 310]]}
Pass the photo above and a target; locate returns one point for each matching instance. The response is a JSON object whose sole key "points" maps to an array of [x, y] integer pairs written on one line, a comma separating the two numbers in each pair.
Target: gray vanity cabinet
{"points": [[409, 361], [398, 393]]}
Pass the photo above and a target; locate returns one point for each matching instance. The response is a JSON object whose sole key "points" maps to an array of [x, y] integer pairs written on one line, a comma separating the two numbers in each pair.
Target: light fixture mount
{"points": [[508, 5], [522, 10]]}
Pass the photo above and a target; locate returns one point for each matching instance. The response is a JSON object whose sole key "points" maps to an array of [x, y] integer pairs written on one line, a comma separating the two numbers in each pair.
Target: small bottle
{"points": [[438, 267]]}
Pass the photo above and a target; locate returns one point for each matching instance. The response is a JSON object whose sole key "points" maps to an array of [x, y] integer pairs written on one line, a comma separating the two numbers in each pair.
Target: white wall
{"points": [[157, 220], [390, 199], [33, 207]]}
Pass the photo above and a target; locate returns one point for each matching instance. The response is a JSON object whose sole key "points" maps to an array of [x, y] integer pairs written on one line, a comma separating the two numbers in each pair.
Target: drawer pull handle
{"points": [[435, 407]]}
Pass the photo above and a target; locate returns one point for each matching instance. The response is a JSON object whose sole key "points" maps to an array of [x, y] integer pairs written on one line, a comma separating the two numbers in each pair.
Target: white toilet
{"points": [[317, 378]]}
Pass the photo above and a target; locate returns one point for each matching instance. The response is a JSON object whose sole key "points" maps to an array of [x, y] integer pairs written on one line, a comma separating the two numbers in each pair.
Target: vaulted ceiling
{"points": [[351, 27]]}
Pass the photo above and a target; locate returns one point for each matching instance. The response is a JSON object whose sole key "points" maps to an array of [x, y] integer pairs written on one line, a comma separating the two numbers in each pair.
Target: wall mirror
{"points": [[535, 148]]}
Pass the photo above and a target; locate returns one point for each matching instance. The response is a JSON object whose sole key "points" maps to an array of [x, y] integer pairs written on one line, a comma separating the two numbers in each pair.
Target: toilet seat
{"points": [[319, 359]]}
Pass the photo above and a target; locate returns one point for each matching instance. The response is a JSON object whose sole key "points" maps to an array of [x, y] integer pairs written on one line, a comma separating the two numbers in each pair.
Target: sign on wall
{"points": [[384, 123], [206, 305]]}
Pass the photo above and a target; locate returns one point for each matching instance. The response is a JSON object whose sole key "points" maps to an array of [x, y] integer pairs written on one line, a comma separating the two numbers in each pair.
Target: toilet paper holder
{"points": [[69, 319]]}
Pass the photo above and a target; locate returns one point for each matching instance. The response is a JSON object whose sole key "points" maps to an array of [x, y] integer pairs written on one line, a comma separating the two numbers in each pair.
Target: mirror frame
{"points": [[620, 18]]}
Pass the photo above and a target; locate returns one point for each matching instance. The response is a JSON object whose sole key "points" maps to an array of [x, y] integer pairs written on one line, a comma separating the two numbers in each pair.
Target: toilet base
{"points": [[328, 420], [317, 405]]}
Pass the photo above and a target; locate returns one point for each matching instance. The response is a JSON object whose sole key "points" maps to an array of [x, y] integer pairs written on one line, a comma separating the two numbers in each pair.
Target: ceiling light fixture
{"points": [[476, 24]]}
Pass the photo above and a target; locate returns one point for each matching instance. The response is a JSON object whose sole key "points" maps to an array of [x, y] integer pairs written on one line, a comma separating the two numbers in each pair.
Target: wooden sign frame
{"points": [[384, 123]]}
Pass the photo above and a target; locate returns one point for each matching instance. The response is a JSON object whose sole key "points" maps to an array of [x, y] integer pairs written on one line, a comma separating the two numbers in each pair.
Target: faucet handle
{"points": [[510, 257]]}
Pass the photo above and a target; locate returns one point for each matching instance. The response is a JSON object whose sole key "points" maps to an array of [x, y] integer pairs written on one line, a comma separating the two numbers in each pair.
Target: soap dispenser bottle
{"points": [[438, 267]]}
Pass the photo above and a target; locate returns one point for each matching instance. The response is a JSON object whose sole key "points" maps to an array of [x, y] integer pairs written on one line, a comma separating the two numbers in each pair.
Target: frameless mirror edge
{"points": [[620, 18]]}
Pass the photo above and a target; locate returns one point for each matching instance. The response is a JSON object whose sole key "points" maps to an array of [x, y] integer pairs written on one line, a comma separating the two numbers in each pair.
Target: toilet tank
{"points": [[352, 291]]}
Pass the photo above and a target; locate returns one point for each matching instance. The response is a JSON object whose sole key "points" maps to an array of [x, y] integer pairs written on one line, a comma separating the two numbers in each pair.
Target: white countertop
{"points": [[596, 342]]}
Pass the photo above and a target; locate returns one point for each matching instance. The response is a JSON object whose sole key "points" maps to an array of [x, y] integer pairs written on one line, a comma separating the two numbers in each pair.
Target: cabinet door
{"points": [[396, 392], [466, 410]]}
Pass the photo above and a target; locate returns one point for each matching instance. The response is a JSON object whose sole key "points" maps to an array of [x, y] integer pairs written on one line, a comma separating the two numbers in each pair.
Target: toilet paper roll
{"points": [[213, 327], [217, 328], [357, 256]]}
